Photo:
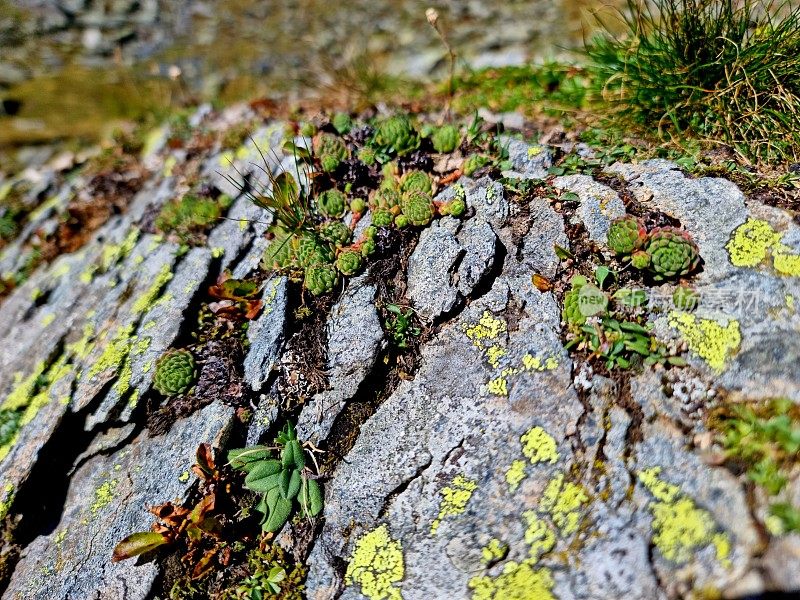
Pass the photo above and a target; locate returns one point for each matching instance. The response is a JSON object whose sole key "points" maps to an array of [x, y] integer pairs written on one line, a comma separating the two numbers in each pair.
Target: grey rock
{"points": [[104, 504], [266, 334], [599, 204], [355, 337], [527, 161], [431, 270]]}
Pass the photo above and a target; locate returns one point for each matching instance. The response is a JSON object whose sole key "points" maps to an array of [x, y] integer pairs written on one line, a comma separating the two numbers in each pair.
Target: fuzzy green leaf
{"points": [[278, 515], [315, 498], [264, 477], [244, 458]]}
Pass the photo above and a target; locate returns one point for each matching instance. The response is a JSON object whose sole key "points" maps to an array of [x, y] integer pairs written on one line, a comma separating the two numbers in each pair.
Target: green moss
{"points": [[680, 527], [189, 216], [710, 340], [550, 88], [377, 565], [454, 499]]}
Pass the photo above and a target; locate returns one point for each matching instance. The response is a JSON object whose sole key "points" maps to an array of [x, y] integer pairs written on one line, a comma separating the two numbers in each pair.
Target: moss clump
{"points": [[270, 574], [191, 215]]}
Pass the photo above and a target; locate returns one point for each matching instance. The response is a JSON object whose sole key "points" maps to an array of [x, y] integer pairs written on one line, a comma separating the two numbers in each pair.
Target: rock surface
{"points": [[502, 467]]}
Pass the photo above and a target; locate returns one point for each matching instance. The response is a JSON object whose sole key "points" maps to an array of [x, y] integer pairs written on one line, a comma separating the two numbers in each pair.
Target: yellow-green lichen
{"points": [[751, 243], [113, 253], [7, 501], [104, 495], [115, 353], [535, 363], [48, 319], [538, 535], [785, 261], [710, 340], [518, 581], [377, 565], [493, 551], [680, 527], [488, 327], [184, 477], [494, 354], [515, 474], [539, 446], [146, 300], [563, 501], [454, 499], [498, 386], [217, 251]]}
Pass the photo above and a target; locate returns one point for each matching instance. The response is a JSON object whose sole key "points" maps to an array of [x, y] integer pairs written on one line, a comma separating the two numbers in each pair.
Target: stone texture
{"points": [[104, 504], [355, 337], [499, 456]]}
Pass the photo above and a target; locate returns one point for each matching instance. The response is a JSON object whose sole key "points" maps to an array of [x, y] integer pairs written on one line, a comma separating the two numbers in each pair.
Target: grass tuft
{"points": [[726, 70]]}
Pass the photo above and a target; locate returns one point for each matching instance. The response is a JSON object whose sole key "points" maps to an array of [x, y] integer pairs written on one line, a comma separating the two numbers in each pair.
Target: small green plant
{"points": [[400, 326], [446, 139], [395, 135], [282, 482], [599, 322], [765, 437], [626, 234], [330, 150], [175, 373], [270, 573]]}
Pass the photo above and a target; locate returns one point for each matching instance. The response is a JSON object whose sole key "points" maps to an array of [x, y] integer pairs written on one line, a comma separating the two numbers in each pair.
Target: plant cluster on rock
{"points": [[665, 252], [605, 325], [284, 483], [350, 171]]}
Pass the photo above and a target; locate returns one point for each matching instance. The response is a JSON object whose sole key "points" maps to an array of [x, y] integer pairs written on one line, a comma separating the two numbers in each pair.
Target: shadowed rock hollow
{"points": [[499, 465]]}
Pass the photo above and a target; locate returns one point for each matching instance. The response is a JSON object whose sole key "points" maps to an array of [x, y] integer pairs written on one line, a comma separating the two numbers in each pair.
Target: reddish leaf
{"points": [[138, 543]]}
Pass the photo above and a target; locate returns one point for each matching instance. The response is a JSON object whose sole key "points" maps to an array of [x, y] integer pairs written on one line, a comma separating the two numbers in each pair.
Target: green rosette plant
{"points": [[348, 262], [626, 234], [285, 483], [672, 252], [331, 203], [396, 135], [446, 139], [416, 181], [417, 206], [331, 151], [175, 373]]}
